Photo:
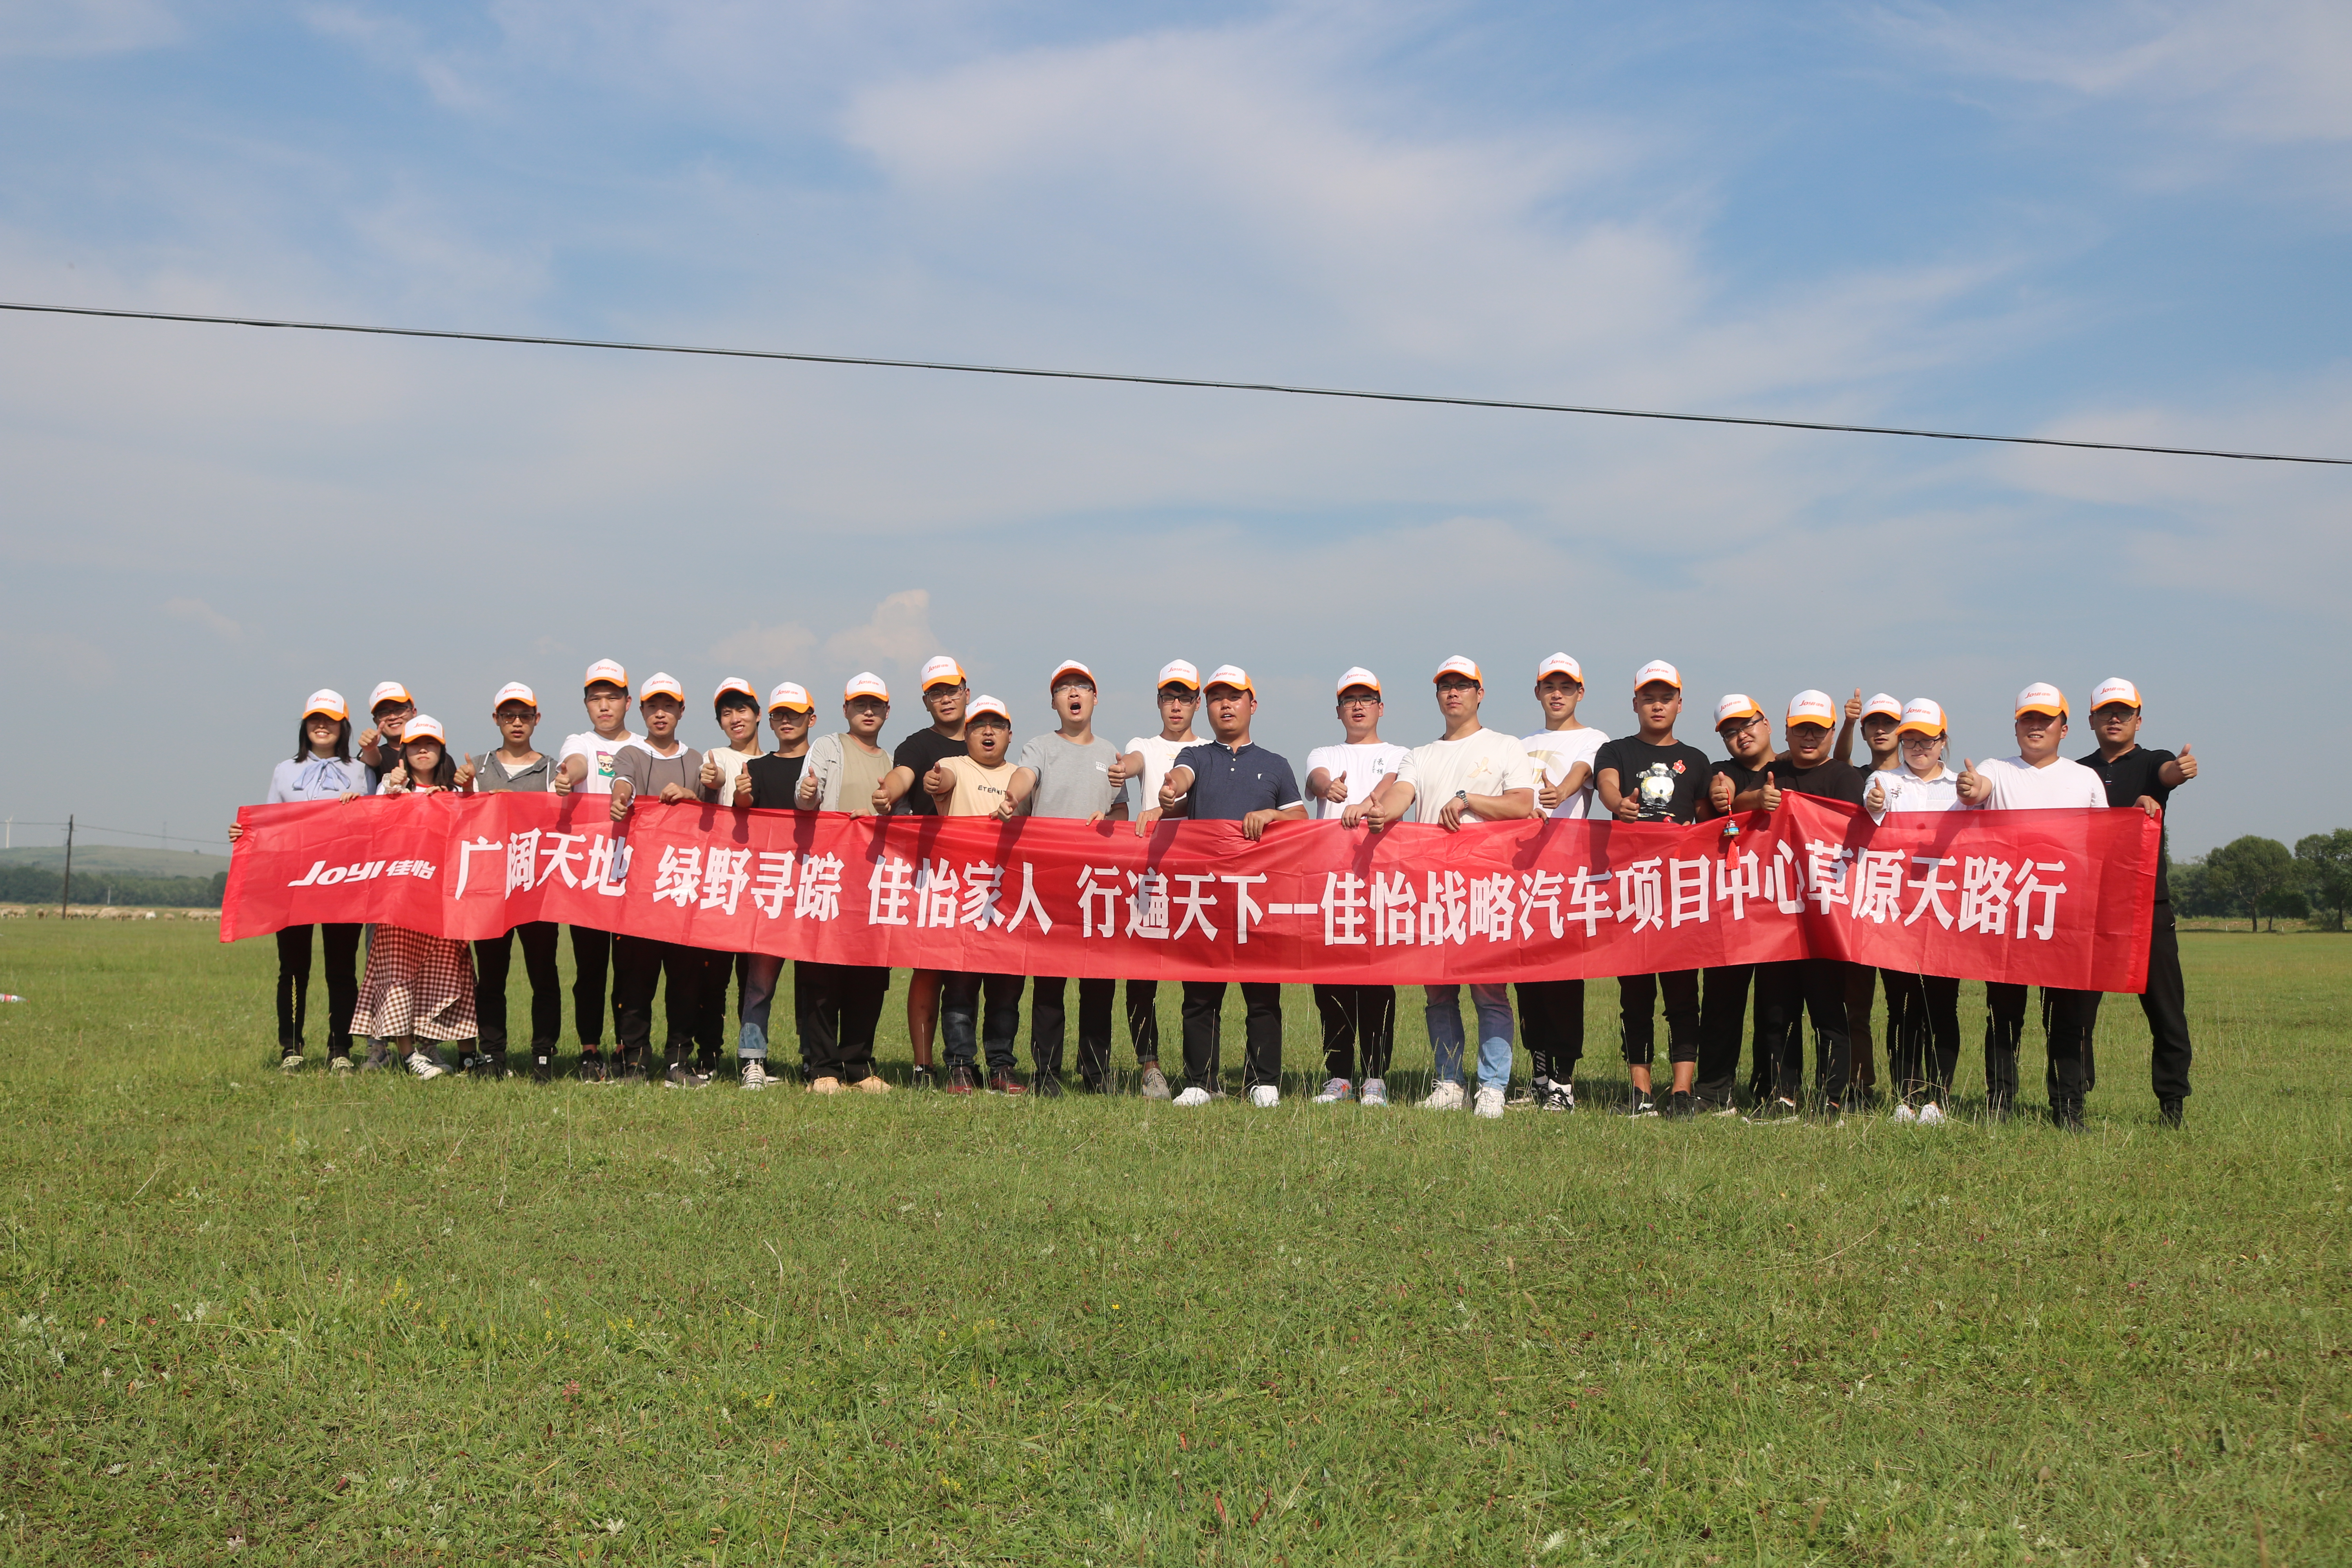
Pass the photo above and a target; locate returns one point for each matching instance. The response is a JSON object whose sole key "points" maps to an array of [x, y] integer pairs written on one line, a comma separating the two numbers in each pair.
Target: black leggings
{"points": [[1923, 1034], [1551, 1022], [343, 946], [1354, 1015]]}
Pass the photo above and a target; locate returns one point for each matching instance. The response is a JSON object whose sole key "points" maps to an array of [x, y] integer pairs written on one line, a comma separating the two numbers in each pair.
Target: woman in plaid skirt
{"points": [[419, 989]]}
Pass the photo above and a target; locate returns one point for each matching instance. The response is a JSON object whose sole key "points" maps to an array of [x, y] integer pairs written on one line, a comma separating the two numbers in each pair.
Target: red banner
{"points": [[2049, 898]]}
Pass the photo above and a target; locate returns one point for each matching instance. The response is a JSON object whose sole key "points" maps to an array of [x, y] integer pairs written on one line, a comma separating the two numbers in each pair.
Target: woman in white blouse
{"points": [[1923, 1022]]}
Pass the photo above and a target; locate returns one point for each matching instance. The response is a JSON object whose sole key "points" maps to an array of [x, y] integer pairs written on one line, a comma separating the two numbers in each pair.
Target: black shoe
{"points": [[1679, 1106], [681, 1076], [491, 1065], [594, 1068], [2168, 1111], [923, 1078], [1640, 1104], [962, 1080], [2067, 1115], [1003, 1082], [632, 1068], [542, 1067], [1048, 1085], [1558, 1096]]}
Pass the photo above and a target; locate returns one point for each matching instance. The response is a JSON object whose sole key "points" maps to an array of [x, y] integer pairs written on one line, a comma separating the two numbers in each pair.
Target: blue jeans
{"points": [[760, 974], [1445, 1015]]}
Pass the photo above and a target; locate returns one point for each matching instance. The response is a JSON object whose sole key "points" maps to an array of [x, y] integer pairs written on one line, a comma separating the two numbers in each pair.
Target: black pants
{"points": [[1722, 1015], [591, 955], [2066, 1018], [2165, 1003], [1143, 1019], [838, 1006], [1637, 1026], [1923, 1034], [1357, 1015], [1204, 1002], [638, 964], [1551, 1022], [1046, 1019], [1815, 986], [493, 957], [981, 1014], [343, 946], [710, 1014]]}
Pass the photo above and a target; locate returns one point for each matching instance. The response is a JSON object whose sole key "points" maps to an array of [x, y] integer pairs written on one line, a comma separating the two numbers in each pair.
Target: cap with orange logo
{"points": [[1658, 669], [1811, 706], [1560, 664], [1882, 703], [657, 684], [740, 687], [1462, 665], [1356, 675], [389, 691], [2041, 698], [331, 704], [1069, 667], [1738, 705], [423, 727], [2113, 689], [607, 671], [515, 692], [1233, 676], [942, 670], [1921, 716], [866, 683], [986, 704], [792, 696]]}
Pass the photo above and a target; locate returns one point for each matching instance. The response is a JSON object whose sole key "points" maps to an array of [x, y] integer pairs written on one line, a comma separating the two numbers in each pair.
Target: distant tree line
{"points": [[33, 885], [2261, 879]]}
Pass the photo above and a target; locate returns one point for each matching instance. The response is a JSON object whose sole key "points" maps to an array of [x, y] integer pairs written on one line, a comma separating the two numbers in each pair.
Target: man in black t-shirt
{"points": [[1742, 782], [945, 694], [2136, 776], [775, 786], [1650, 776], [1809, 985]]}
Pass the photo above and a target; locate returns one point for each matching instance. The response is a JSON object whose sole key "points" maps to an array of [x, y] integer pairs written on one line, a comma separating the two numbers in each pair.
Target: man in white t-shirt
{"points": [[1338, 777], [1142, 768], [1551, 1012], [1481, 775], [2036, 779], [585, 764]]}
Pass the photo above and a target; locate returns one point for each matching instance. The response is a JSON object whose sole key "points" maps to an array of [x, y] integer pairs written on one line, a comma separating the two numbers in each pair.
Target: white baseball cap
{"points": [[1560, 664], [424, 728], [388, 692], [1738, 705], [986, 704], [737, 685], [658, 684], [1921, 716], [866, 683], [1882, 703], [2041, 698], [793, 696], [1231, 675], [2113, 689], [1357, 675], [1177, 672], [1811, 706], [942, 670], [331, 704], [1461, 664], [607, 670], [514, 691], [1657, 669], [1069, 667]]}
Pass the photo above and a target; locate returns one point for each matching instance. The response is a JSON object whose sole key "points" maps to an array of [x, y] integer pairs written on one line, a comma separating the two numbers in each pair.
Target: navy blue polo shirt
{"points": [[1227, 786]]}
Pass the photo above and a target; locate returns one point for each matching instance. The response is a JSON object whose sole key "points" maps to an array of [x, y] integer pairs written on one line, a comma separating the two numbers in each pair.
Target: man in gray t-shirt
{"points": [[1068, 774]]}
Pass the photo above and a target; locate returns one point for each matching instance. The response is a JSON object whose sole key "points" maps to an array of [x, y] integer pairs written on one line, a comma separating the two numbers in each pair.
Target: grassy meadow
{"points": [[302, 1321]]}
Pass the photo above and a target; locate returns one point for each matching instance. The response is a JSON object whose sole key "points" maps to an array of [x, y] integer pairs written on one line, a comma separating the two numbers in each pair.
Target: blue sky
{"points": [[2123, 221]]}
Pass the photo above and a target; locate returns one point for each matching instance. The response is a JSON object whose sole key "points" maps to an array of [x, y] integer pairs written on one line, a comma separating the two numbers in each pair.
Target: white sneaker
{"points": [[1490, 1103], [1372, 1092], [755, 1073], [1195, 1095], [1931, 1115], [1334, 1091], [1905, 1115], [423, 1066], [1445, 1096], [1265, 1097]]}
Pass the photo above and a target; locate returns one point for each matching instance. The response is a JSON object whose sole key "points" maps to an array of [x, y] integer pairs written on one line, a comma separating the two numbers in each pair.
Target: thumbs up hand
{"points": [[1853, 707], [1975, 788], [2186, 761], [1335, 789]]}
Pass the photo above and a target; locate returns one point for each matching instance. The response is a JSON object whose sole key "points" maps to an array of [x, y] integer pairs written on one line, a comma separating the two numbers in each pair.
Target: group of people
{"points": [[422, 995]]}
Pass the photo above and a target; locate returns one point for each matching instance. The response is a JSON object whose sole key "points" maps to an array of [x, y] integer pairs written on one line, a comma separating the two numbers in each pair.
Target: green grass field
{"points": [[386, 1321]]}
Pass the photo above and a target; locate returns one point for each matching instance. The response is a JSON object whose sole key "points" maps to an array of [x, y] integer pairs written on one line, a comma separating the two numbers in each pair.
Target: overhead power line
{"points": [[1195, 382]]}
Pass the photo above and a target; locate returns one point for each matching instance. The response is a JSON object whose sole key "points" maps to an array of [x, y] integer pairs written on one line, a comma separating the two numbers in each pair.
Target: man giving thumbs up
{"points": [[1339, 779]]}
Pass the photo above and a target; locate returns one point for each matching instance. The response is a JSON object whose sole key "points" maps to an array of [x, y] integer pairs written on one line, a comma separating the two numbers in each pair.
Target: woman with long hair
{"points": [[419, 989], [1923, 1011]]}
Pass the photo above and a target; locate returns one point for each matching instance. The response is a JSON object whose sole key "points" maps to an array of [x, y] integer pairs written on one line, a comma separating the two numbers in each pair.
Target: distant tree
{"points": [[2248, 873], [2191, 895], [2326, 862]]}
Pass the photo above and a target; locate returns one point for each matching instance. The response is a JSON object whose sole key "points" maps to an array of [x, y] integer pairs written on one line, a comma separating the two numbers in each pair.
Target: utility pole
{"points": [[65, 894]]}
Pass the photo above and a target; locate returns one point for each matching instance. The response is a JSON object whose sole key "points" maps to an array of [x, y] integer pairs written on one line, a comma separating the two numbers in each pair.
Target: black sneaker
{"points": [[594, 1069], [923, 1078], [1559, 1096], [2168, 1111], [681, 1076], [1048, 1085], [633, 1069], [1640, 1104], [1678, 1105], [2067, 1115], [962, 1080]]}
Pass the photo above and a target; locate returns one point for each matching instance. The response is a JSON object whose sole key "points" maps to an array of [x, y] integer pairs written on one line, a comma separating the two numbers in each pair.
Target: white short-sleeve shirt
{"points": [[1554, 752], [1485, 763], [1365, 766], [600, 753], [2018, 785]]}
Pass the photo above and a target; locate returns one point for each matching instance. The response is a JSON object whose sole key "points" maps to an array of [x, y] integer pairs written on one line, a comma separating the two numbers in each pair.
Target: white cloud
{"points": [[201, 613], [763, 648], [897, 636]]}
